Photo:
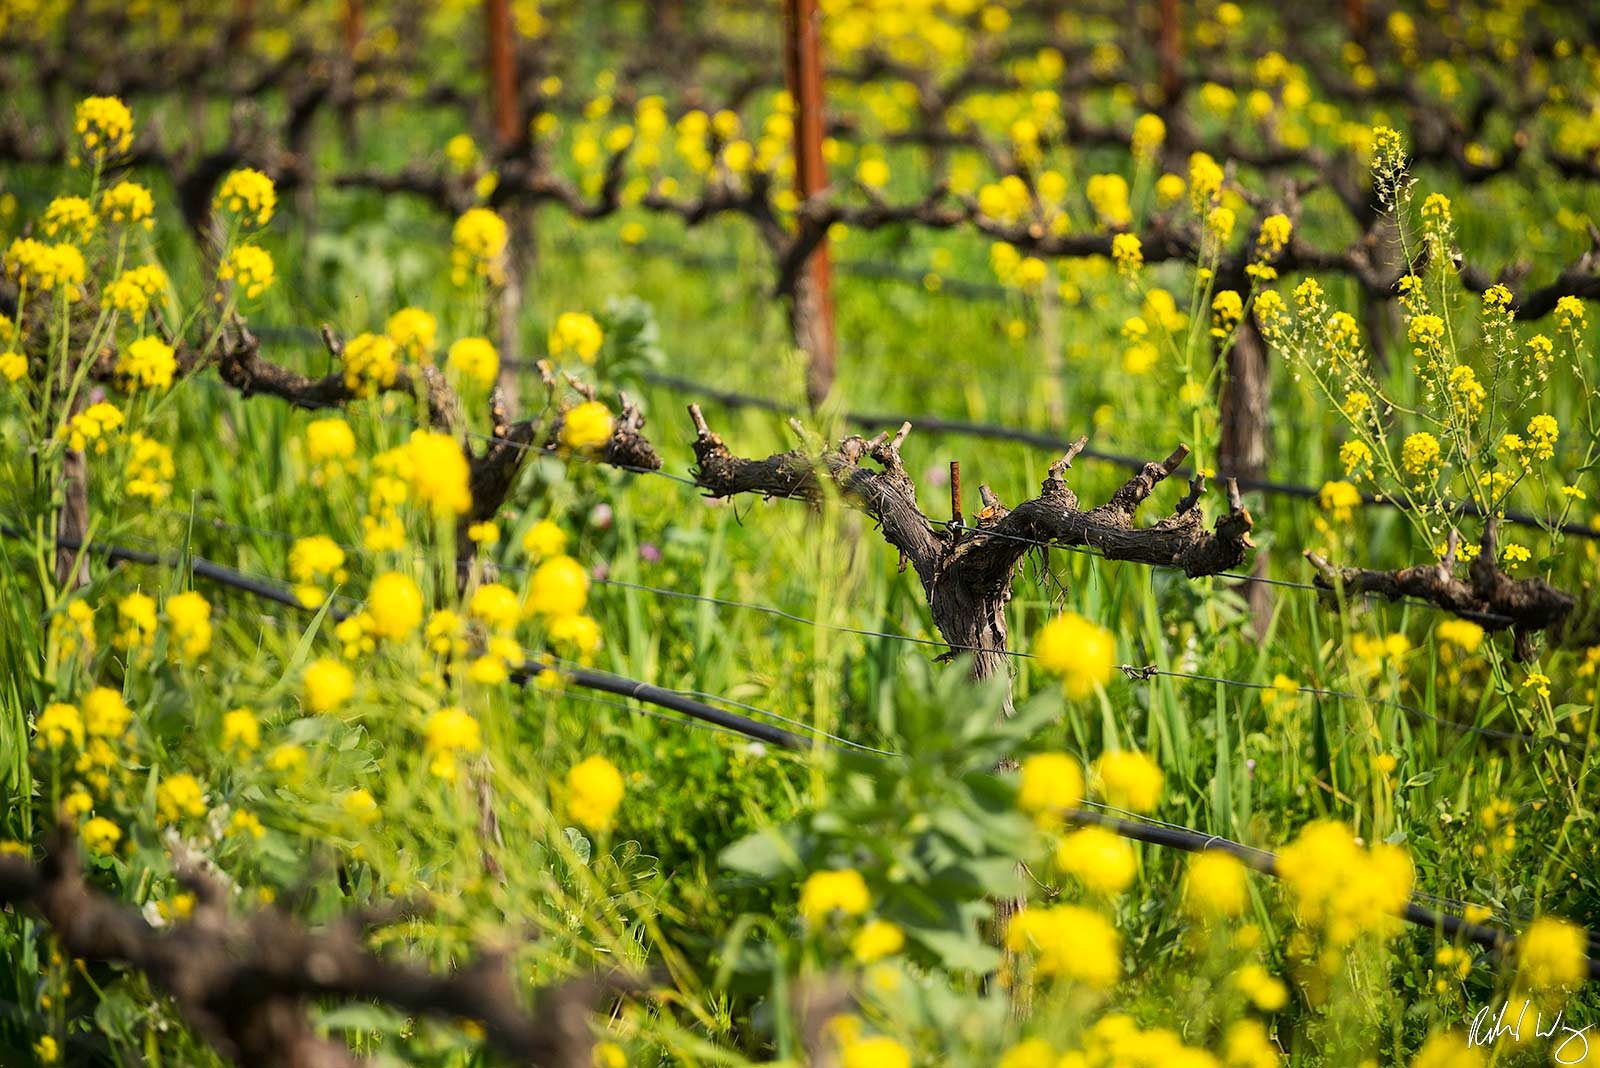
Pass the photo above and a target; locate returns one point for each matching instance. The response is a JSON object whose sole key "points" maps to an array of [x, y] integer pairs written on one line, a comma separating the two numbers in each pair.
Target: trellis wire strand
{"points": [[525, 672], [1130, 670], [1267, 863], [1485, 617], [933, 424], [1133, 672], [1169, 835]]}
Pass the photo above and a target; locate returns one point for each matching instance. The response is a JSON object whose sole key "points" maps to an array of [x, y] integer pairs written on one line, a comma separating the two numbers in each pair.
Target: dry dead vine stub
{"points": [[245, 982], [1487, 596], [967, 571]]}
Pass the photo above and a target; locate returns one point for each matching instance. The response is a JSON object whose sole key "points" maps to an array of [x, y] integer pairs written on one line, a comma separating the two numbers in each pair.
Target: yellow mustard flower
{"points": [[73, 215], [100, 836], [476, 360], [826, 892], [594, 791], [370, 363], [586, 427], [189, 615], [58, 724], [395, 605], [134, 289], [241, 731], [1069, 942], [148, 362], [328, 684], [128, 203], [1048, 784], [1551, 954], [479, 241], [247, 194], [577, 333], [1099, 859], [1128, 254], [1080, 652], [178, 796], [876, 939], [1214, 885], [104, 125], [413, 331], [1129, 779], [250, 268], [1339, 886], [446, 733]]}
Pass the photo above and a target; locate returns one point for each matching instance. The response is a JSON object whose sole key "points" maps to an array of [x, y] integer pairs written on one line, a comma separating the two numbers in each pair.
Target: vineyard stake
{"points": [[812, 312], [955, 493], [502, 71]]}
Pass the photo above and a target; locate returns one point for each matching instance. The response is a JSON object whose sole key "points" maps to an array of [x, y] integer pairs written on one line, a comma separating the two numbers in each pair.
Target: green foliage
{"points": [[934, 827], [696, 884]]}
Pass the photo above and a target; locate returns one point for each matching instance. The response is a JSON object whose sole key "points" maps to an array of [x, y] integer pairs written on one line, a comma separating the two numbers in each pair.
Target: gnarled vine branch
{"points": [[1487, 596], [492, 470], [244, 981], [967, 572]]}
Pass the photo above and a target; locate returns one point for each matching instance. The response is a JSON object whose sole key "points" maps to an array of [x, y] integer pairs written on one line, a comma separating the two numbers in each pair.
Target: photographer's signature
{"points": [[1525, 1021]]}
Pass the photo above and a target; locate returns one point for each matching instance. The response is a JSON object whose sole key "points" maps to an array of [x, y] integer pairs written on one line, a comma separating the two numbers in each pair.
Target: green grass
{"points": [[1243, 762]]}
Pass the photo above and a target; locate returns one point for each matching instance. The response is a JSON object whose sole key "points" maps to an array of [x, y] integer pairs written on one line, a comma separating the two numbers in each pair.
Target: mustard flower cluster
{"points": [[1128, 779], [1068, 942], [479, 239], [132, 291], [585, 427], [150, 469], [1149, 134], [251, 268], [104, 126], [475, 359], [96, 424], [576, 333], [370, 364], [1108, 195], [148, 363], [1081, 653], [249, 195], [594, 791], [1339, 499], [128, 203], [1128, 254], [13, 366], [1227, 308], [330, 446], [33, 264], [189, 619], [1340, 887], [1274, 235], [313, 561], [448, 734], [414, 332], [1420, 455], [73, 216], [1205, 183]]}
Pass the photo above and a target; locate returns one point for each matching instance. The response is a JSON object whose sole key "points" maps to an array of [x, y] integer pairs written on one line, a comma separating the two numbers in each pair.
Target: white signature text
{"points": [[1526, 1022]]}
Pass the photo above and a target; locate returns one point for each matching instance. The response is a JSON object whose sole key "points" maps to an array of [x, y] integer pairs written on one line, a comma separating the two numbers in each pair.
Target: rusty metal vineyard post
{"points": [[811, 307], [502, 71]]}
